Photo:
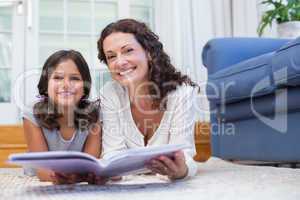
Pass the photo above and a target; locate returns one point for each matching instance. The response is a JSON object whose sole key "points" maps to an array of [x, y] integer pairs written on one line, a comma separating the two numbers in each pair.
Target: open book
{"points": [[121, 163]]}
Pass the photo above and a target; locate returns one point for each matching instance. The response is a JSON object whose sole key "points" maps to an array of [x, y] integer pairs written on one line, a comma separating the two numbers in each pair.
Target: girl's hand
{"points": [[116, 178], [61, 178], [174, 169]]}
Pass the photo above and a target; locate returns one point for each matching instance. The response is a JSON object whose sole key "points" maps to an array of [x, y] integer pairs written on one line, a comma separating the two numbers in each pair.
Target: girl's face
{"points": [[65, 86], [126, 58]]}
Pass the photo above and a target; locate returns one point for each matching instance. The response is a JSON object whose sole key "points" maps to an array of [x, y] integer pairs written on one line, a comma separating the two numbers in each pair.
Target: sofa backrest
{"points": [[220, 53]]}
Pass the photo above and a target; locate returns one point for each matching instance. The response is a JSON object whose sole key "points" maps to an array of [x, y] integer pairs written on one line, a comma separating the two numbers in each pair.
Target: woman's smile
{"points": [[127, 71]]}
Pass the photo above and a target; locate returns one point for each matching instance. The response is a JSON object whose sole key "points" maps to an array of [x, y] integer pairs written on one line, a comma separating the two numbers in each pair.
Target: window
{"points": [[11, 58], [5, 53], [73, 25], [142, 10]]}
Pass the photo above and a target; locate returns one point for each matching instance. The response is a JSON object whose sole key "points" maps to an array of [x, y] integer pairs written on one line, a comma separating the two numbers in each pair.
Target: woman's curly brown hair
{"points": [[46, 112], [161, 72]]}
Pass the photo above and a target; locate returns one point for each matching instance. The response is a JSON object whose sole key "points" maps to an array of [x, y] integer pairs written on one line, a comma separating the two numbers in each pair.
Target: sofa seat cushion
{"points": [[267, 106], [257, 76]]}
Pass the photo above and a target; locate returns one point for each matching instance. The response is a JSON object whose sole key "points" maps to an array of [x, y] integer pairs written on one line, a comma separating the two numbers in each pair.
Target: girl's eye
{"points": [[58, 77]]}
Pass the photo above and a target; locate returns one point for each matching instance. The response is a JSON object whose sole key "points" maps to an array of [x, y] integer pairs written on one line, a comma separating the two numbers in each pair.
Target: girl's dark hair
{"points": [[161, 72], [46, 112]]}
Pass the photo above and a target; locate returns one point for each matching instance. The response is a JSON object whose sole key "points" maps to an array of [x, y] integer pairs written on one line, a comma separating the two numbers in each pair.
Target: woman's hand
{"points": [[174, 169]]}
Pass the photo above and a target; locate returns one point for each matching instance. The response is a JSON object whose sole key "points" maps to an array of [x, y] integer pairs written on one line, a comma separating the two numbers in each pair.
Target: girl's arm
{"points": [[36, 143], [93, 144]]}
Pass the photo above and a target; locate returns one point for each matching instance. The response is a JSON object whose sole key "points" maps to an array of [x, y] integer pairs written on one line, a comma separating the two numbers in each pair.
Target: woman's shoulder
{"points": [[183, 94], [185, 90]]}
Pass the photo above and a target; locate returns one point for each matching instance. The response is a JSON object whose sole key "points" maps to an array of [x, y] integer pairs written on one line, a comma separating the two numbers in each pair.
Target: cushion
{"points": [[286, 64]]}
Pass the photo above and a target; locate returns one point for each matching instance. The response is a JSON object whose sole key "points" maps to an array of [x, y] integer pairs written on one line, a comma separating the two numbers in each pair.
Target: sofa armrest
{"points": [[223, 52]]}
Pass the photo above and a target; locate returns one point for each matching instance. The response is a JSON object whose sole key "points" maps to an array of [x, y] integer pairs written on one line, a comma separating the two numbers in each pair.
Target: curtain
{"points": [[185, 26]]}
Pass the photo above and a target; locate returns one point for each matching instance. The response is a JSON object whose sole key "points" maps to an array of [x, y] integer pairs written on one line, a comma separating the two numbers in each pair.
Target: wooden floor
{"points": [[12, 141], [202, 141]]}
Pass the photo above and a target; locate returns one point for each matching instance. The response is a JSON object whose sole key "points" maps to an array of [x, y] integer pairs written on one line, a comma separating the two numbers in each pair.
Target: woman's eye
{"points": [[128, 50], [110, 57], [75, 78]]}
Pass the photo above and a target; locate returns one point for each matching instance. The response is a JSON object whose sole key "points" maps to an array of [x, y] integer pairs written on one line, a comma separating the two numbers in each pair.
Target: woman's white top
{"points": [[176, 127]]}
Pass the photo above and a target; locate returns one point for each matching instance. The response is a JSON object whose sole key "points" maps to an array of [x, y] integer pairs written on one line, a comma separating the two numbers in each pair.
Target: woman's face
{"points": [[65, 86], [126, 59]]}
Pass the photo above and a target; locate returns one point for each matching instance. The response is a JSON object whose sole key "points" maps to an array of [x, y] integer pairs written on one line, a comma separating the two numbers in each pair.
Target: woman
{"points": [[63, 118], [148, 103]]}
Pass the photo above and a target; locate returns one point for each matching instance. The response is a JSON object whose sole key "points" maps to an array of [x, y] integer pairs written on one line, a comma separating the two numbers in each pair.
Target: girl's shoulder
{"points": [[112, 88], [28, 113], [112, 93]]}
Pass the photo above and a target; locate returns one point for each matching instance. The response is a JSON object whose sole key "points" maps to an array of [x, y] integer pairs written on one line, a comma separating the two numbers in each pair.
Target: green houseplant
{"points": [[282, 11]]}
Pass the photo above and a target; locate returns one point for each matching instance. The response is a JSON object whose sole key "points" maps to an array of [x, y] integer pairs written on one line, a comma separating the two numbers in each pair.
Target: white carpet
{"points": [[217, 179]]}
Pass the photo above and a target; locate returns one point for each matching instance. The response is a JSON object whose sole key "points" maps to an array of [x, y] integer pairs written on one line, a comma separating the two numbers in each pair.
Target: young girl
{"points": [[63, 119]]}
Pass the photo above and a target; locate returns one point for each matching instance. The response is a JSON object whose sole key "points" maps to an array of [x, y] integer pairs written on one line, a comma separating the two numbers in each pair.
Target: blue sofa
{"points": [[254, 93]]}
